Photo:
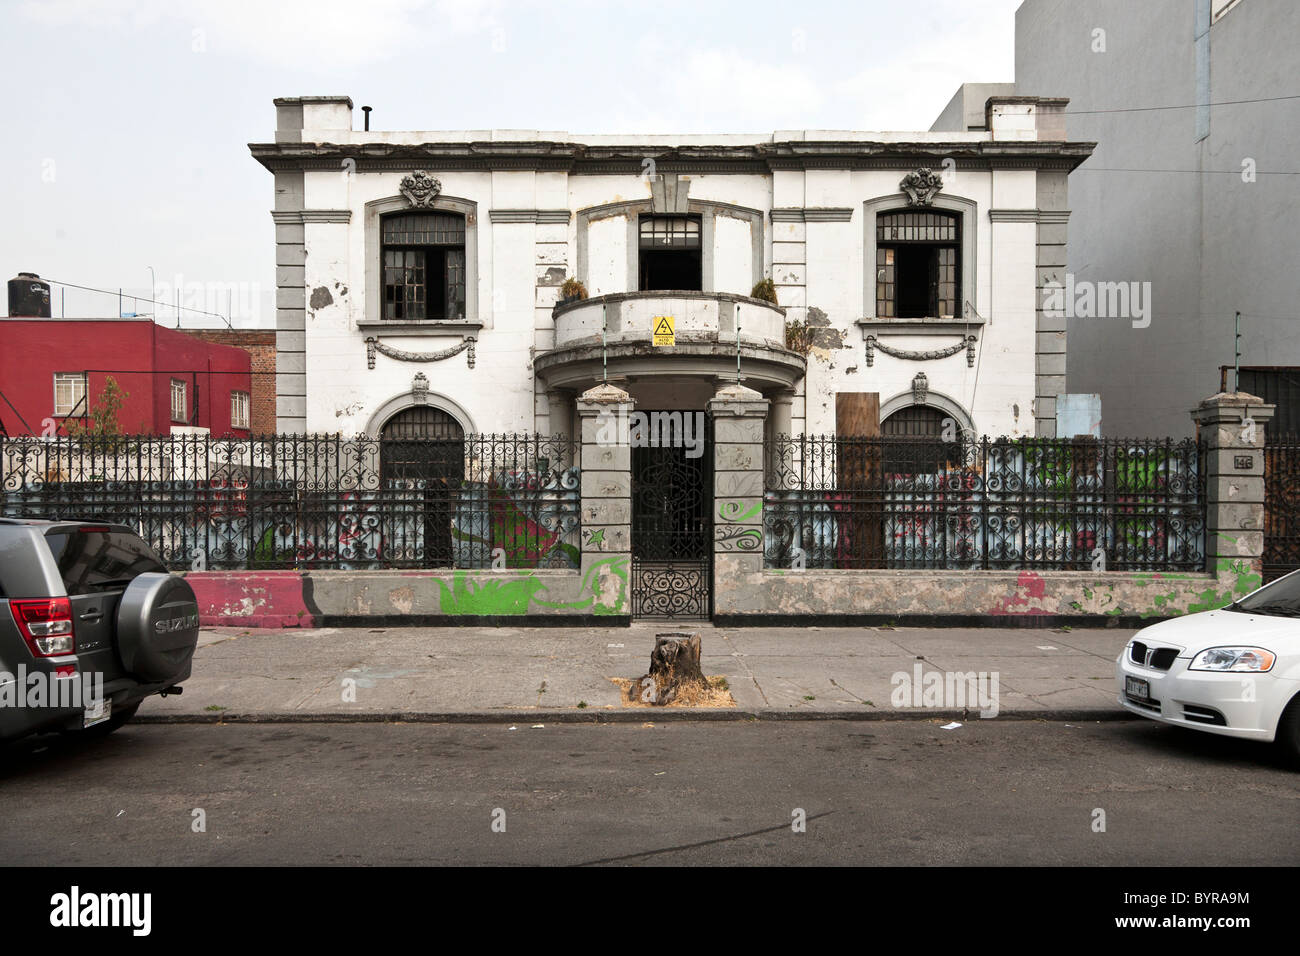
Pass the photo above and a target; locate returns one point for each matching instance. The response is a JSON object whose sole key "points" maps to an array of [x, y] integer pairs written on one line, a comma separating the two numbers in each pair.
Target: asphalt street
{"points": [[877, 792]]}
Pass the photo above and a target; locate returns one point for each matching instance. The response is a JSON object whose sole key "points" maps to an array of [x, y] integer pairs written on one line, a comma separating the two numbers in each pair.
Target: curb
{"points": [[623, 716]]}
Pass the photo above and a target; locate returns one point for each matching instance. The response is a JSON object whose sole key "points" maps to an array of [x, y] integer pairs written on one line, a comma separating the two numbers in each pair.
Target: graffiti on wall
{"points": [[1021, 505], [602, 592], [231, 524]]}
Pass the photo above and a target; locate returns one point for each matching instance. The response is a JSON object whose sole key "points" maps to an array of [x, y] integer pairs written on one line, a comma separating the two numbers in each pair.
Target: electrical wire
{"points": [[135, 298], [1187, 106], [1200, 172]]}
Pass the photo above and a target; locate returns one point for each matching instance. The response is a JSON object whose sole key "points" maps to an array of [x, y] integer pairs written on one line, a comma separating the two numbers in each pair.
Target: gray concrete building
{"points": [[1194, 187]]}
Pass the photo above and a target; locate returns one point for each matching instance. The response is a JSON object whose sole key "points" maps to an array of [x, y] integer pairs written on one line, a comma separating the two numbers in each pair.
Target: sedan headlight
{"points": [[1236, 659]]}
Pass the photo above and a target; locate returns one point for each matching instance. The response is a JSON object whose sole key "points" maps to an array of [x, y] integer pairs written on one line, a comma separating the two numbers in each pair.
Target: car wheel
{"points": [[1288, 730]]}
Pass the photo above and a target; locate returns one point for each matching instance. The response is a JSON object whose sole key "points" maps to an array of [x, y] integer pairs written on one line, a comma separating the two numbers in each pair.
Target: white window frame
{"points": [[241, 407], [72, 380], [180, 414]]}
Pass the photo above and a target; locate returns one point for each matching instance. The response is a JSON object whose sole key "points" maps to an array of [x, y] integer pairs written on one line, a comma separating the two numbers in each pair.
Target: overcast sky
{"points": [[128, 119]]}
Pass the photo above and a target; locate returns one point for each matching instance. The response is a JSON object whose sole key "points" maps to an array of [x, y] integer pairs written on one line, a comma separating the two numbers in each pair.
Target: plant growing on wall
{"points": [[799, 337], [764, 289], [572, 290]]}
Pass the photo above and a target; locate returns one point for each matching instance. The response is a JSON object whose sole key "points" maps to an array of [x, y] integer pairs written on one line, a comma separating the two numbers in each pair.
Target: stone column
{"points": [[1232, 425], [606, 460], [738, 417], [560, 419], [783, 412]]}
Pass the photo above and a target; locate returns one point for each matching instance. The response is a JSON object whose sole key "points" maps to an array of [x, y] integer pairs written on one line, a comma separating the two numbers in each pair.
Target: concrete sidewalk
{"points": [[541, 674]]}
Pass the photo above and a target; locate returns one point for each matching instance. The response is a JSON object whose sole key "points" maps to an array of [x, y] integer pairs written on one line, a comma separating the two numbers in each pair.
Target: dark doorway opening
{"points": [[670, 270], [670, 253], [672, 530], [422, 463]]}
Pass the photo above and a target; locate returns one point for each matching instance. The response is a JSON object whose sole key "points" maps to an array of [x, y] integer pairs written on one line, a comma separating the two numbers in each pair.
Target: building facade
{"points": [[420, 274], [1192, 190], [53, 372], [260, 346]]}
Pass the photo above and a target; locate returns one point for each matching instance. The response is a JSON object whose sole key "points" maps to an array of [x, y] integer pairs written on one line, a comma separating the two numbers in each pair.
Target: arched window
{"points": [[918, 265], [915, 440], [424, 266], [915, 421]]}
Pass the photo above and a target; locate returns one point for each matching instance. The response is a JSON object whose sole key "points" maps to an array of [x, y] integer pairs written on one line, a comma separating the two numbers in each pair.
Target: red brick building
{"points": [[260, 345]]}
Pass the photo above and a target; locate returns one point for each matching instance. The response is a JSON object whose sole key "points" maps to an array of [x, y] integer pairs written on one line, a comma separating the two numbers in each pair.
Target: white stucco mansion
{"points": [[423, 270]]}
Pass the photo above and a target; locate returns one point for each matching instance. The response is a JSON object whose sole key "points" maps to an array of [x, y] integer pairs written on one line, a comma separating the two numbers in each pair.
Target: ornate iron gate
{"points": [[1281, 505], [672, 531], [423, 450]]}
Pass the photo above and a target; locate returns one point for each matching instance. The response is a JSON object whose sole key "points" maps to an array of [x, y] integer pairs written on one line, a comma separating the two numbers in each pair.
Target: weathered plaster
{"points": [[310, 599], [991, 594]]}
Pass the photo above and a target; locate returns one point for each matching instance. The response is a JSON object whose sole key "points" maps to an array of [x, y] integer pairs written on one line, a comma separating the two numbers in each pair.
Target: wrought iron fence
{"points": [[1031, 503], [1281, 505], [313, 501]]}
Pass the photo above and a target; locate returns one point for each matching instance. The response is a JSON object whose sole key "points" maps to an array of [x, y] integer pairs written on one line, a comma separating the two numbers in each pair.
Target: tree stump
{"points": [[674, 668]]}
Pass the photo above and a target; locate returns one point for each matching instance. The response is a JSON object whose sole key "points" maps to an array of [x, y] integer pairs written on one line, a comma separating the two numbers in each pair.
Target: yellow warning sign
{"points": [[665, 330]]}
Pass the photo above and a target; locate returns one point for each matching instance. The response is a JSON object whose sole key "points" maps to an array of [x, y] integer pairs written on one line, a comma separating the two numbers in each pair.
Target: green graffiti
{"points": [[603, 591], [731, 511], [479, 595], [1236, 573], [264, 550], [597, 537]]}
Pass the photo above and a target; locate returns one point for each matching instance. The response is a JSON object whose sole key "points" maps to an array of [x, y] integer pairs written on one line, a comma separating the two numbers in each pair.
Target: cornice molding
{"points": [[827, 214], [587, 159], [1030, 215], [311, 215], [1013, 215], [530, 215]]}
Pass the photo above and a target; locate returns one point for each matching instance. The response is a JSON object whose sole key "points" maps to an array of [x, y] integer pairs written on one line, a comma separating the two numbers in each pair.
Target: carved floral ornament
{"points": [[967, 342], [373, 345], [420, 189], [921, 186]]}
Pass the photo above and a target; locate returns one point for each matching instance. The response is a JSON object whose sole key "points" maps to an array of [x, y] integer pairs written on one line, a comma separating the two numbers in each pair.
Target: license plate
{"points": [[98, 712], [1137, 688]]}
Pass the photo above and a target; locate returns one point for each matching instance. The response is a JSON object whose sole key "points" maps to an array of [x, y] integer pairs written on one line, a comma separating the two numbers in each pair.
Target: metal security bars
{"points": [[972, 504], [1281, 505], [317, 501]]}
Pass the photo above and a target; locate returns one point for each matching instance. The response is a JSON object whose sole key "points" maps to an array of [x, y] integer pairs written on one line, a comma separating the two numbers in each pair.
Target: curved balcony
{"points": [[705, 324]]}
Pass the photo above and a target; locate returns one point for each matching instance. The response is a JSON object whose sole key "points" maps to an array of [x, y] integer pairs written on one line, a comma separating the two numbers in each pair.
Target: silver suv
{"points": [[91, 623]]}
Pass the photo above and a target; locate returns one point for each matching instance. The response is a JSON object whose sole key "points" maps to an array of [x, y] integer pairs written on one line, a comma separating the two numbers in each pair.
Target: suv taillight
{"points": [[46, 625]]}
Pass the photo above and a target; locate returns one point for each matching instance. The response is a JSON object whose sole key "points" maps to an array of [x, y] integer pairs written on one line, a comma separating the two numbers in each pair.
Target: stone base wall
{"points": [[597, 595], [970, 598]]}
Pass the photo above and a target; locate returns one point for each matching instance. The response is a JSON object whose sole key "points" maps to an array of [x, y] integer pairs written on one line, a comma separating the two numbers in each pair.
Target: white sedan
{"points": [[1234, 671]]}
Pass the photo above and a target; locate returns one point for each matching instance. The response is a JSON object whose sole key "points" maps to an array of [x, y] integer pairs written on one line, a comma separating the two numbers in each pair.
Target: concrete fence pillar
{"points": [[739, 414], [606, 460], [1232, 425]]}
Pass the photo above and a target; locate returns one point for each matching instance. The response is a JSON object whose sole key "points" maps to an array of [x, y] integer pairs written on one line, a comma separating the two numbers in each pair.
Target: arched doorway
{"points": [[422, 465]]}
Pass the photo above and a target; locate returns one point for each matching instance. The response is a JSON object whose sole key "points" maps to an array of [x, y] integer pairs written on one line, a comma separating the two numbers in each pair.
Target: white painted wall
{"points": [[818, 266]]}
